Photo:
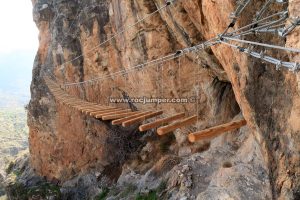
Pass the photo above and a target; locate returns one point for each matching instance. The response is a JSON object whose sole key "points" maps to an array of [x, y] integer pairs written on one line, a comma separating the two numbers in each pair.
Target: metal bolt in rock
{"points": [[169, 2], [285, 31]]}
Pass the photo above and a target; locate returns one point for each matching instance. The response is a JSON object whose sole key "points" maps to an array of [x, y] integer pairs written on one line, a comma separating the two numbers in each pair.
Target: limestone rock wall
{"points": [[64, 143]]}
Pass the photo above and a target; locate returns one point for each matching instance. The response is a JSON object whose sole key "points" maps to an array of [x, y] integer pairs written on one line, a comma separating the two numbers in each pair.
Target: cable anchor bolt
{"points": [[262, 55], [169, 2], [278, 65], [285, 31], [296, 67]]}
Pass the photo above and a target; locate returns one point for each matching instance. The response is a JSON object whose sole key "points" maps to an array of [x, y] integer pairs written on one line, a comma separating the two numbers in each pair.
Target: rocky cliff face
{"points": [[260, 161]]}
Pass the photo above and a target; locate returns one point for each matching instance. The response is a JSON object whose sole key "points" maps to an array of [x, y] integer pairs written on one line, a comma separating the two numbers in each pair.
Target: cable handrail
{"points": [[262, 44], [168, 3], [254, 29], [233, 36], [292, 66], [168, 57], [282, 14]]}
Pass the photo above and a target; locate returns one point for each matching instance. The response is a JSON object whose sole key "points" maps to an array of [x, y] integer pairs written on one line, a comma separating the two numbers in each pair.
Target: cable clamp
{"points": [[142, 66], [296, 67], [281, 32], [202, 46], [296, 21], [190, 49], [248, 50], [232, 16], [278, 65], [262, 55], [285, 14], [285, 31]]}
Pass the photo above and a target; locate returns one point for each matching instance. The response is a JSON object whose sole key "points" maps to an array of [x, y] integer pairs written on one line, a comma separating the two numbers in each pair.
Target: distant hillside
{"points": [[13, 134], [13, 131], [15, 78], [13, 100]]}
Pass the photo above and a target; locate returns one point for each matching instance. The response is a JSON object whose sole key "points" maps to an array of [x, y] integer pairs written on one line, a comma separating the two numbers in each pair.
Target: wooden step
{"points": [[90, 111], [93, 114], [79, 106], [98, 116], [76, 104], [56, 89], [95, 108], [71, 101], [120, 121], [216, 131], [86, 105], [118, 116], [172, 127], [59, 92], [58, 95], [141, 118], [90, 107], [161, 122], [67, 99]]}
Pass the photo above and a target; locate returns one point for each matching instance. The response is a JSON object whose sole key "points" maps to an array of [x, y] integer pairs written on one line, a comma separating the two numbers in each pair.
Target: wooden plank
{"points": [[161, 122], [98, 116], [141, 118], [85, 105], [53, 85], [56, 89], [104, 108], [93, 108], [105, 111], [216, 131], [120, 121], [79, 105], [97, 109], [172, 127], [58, 93], [66, 100], [76, 105], [88, 107], [118, 116], [49, 82], [62, 95], [71, 100]]}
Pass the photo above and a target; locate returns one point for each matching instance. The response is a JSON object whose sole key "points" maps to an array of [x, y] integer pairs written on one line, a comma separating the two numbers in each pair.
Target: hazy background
{"points": [[18, 46]]}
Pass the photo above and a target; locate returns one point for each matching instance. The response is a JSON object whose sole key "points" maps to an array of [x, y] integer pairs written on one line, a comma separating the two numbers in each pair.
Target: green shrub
{"points": [[103, 194], [128, 190], [150, 196], [20, 192]]}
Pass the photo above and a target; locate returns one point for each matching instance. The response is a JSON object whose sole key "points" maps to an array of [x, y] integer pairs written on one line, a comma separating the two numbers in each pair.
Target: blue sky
{"points": [[18, 46]]}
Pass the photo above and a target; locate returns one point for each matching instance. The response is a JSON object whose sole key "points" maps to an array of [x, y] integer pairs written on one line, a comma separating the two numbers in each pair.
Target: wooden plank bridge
{"points": [[127, 117]]}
